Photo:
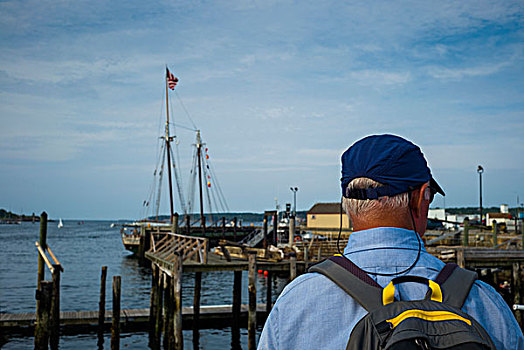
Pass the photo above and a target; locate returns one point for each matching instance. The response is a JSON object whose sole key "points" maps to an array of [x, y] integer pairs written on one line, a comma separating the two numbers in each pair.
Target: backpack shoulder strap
{"points": [[355, 282], [455, 283]]}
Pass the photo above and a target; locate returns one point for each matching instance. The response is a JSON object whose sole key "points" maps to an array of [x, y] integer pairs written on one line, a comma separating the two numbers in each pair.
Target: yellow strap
{"points": [[436, 292], [388, 293], [428, 316]]}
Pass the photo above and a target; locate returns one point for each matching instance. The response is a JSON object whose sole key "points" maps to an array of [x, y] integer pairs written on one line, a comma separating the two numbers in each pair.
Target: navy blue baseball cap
{"points": [[393, 161]]}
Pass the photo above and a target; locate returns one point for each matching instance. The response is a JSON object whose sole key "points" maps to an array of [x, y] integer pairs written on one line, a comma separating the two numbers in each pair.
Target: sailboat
{"points": [[60, 223], [201, 167]]}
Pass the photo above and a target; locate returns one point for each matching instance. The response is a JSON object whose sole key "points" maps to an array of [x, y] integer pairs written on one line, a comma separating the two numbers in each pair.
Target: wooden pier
{"points": [[78, 322]]}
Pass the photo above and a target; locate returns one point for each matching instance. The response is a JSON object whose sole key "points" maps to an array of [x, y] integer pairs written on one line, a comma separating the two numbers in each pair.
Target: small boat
{"points": [[60, 223]]}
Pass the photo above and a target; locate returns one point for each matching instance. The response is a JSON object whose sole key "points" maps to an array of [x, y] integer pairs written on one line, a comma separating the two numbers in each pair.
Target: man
{"points": [[387, 188]]}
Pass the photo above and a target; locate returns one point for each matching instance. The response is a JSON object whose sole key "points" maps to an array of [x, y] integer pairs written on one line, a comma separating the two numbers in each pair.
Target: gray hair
{"points": [[359, 207]]}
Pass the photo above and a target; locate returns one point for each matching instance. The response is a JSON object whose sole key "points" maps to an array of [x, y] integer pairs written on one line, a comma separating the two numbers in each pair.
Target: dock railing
{"points": [[165, 248]]}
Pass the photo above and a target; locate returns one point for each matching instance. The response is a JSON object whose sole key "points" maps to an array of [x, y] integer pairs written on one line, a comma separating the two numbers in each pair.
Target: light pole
{"points": [[480, 170], [294, 190]]}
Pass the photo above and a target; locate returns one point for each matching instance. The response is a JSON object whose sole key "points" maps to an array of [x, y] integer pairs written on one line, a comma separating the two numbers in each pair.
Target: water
{"points": [[83, 250]]}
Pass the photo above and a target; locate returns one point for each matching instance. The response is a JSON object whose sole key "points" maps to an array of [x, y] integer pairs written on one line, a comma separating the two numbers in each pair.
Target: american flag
{"points": [[171, 79]]}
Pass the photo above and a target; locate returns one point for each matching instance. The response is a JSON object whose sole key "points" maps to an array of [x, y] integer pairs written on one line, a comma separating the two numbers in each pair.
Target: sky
{"points": [[279, 89]]}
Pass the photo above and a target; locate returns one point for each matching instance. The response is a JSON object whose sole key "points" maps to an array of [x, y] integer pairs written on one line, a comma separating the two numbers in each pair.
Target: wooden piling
{"points": [[264, 244], [495, 234], [43, 245], [153, 307], [461, 261], [141, 245], [115, 327], [196, 300], [235, 228], [465, 233], [237, 298], [54, 321], [158, 303], [102, 306], [145, 243], [291, 230], [252, 314], [306, 257], [177, 297], [168, 312], [269, 302], [292, 267], [175, 223], [188, 224], [43, 310], [275, 229], [518, 290], [223, 227]]}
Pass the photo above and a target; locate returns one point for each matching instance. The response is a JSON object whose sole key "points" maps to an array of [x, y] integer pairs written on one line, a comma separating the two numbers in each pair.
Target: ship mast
{"points": [[168, 139], [199, 156]]}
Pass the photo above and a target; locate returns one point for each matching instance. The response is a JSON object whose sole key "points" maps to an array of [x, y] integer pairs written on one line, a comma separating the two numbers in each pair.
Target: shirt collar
{"points": [[380, 238]]}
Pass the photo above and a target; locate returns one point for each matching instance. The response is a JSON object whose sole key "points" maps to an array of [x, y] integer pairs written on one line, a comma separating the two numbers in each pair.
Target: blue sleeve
{"points": [[269, 337], [486, 306]]}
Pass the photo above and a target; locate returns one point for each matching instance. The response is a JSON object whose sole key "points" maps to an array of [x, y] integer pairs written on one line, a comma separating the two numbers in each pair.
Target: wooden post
{"points": [[44, 295], [306, 257], [269, 302], [225, 252], [153, 307], [265, 233], [292, 267], [158, 303], [43, 245], [102, 307], [141, 245], [235, 229], [461, 261], [237, 298], [196, 300], [177, 296], [518, 293], [115, 327], [252, 315], [55, 308], [275, 229], [147, 245], [188, 224], [495, 234], [465, 233], [175, 223], [168, 312], [223, 227], [291, 230]]}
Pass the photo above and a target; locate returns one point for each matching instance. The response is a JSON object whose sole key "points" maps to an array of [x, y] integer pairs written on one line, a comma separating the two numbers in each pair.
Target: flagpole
{"points": [[168, 150]]}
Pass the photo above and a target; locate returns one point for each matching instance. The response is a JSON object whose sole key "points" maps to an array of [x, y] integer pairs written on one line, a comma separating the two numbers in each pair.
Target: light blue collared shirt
{"points": [[314, 313]]}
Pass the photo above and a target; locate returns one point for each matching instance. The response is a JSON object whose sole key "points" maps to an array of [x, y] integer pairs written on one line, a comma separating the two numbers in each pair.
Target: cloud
{"points": [[461, 73], [378, 78]]}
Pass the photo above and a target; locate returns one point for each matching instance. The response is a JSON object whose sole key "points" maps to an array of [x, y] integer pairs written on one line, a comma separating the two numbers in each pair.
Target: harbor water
{"points": [[83, 247]]}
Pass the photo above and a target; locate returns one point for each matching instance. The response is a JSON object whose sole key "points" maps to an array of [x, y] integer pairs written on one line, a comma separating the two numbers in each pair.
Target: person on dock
{"points": [[387, 188]]}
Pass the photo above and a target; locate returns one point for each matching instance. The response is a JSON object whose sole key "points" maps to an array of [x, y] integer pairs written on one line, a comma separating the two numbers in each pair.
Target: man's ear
{"points": [[416, 198]]}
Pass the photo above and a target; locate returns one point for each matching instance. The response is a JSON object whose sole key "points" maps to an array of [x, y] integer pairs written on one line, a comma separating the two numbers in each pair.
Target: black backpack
{"points": [[436, 322]]}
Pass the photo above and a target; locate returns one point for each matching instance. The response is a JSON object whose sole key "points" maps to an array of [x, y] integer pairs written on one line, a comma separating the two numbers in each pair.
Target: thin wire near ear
{"points": [[378, 273], [340, 226]]}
